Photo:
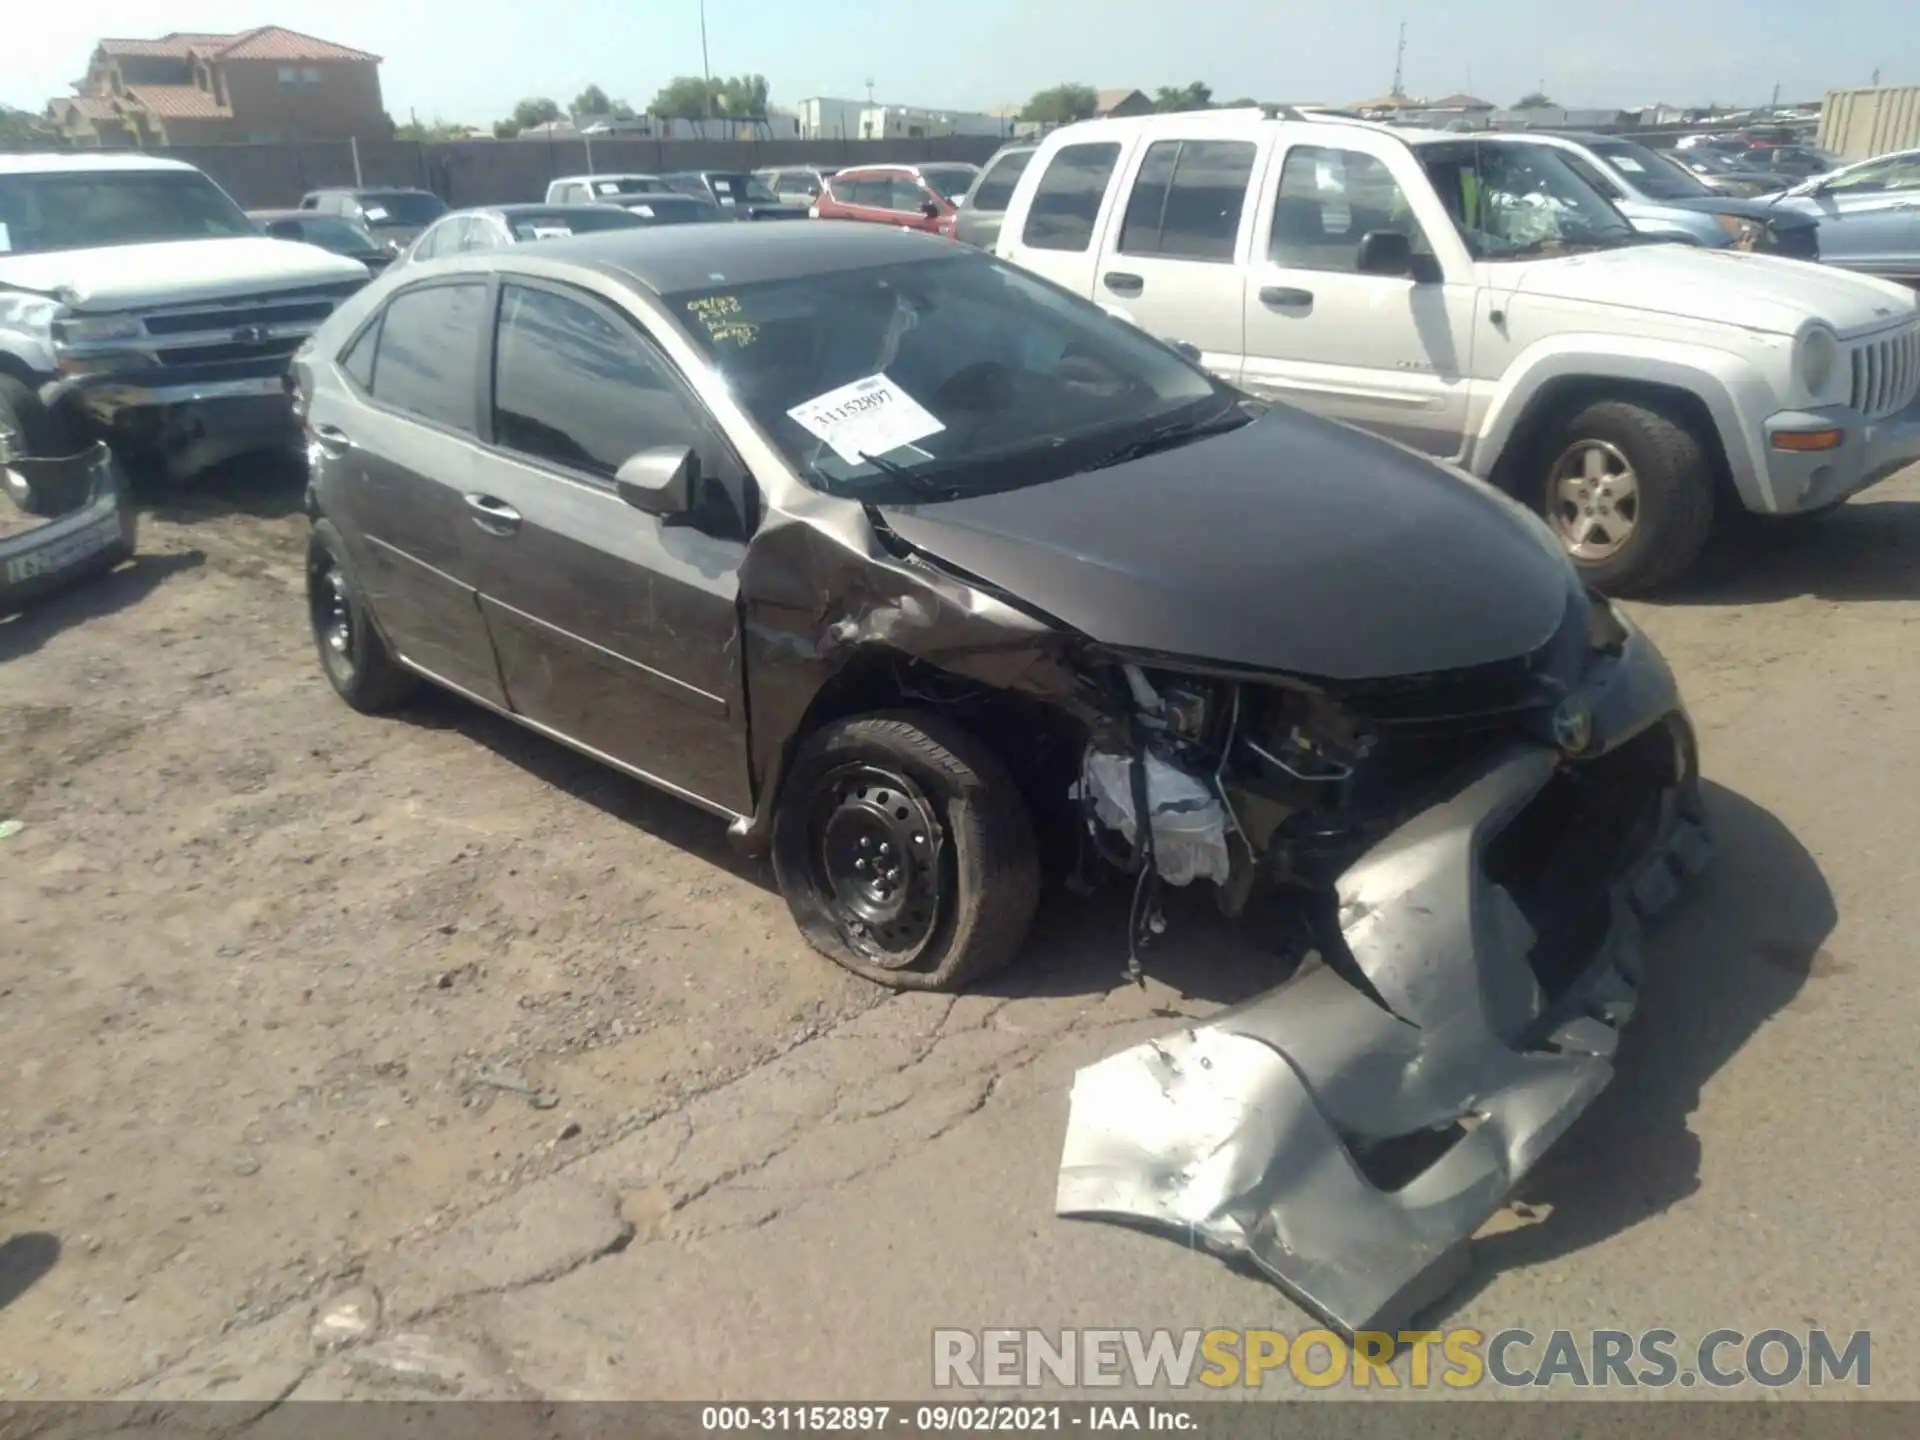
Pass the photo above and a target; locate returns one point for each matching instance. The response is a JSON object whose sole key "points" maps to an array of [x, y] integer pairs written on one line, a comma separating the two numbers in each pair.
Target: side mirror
{"points": [[931, 209], [1186, 348], [659, 481], [1384, 252]]}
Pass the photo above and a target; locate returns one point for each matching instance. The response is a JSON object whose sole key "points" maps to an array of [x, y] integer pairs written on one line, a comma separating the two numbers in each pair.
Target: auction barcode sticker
{"points": [[868, 417]]}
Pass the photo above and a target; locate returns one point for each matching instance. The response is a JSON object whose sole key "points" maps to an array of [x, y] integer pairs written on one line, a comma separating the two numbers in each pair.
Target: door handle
{"points": [[496, 517], [1284, 295], [332, 439], [1122, 282]]}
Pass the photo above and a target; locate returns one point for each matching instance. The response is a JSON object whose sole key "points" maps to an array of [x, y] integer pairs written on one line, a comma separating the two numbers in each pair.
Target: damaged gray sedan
{"points": [[921, 572]]}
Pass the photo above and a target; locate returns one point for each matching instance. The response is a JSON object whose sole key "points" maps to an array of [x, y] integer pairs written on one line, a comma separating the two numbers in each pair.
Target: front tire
{"points": [[1629, 490], [906, 852], [356, 660]]}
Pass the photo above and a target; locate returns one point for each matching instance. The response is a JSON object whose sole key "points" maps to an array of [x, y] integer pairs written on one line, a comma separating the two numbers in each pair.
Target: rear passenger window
{"points": [[1068, 198], [428, 358], [573, 388], [1187, 199], [905, 193], [1329, 199], [996, 186]]}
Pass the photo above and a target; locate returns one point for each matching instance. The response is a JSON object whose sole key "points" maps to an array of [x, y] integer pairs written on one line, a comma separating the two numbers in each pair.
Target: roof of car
{"points": [[605, 175], [534, 207], [671, 259], [67, 161], [369, 190]]}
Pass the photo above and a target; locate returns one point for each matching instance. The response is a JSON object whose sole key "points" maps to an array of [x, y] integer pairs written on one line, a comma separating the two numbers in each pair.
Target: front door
{"points": [[616, 630], [1870, 218], [1174, 262], [1391, 353], [407, 447], [1057, 233]]}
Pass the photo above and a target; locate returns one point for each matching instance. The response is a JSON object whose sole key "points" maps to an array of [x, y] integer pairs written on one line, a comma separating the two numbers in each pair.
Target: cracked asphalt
{"points": [[419, 1058]]}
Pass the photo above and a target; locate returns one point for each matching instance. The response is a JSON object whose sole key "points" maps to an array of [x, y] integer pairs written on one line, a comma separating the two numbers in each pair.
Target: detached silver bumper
{"points": [[1350, 1144], [92, 531]]}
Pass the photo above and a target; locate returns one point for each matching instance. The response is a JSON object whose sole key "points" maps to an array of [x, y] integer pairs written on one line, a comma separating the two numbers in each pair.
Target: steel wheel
{"points": [[875, 851], [1593, 499], [331, 604]]}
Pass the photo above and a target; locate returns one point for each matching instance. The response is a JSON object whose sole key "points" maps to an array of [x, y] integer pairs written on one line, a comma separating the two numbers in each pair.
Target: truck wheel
{"points": [[47, 436], [905, 851], [1629, 491], [352, 653]]}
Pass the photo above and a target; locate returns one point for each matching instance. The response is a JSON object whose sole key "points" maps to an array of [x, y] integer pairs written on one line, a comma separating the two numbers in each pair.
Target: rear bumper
{"points": [[68, 547]]}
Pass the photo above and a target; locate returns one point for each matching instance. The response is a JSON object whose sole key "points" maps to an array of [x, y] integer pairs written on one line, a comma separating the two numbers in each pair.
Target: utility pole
{"points": [[1876, 77], [1399, 63], [706, 69], [1776, 94]]}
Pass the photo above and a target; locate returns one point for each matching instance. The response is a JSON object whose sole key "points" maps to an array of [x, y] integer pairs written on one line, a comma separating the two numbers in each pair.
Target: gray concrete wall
{"points": [[493, 172]]}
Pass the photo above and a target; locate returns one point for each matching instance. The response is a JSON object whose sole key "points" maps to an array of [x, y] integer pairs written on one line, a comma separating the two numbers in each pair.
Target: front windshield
{"points": [[1648, 171], [961, 374], [554, 224], [1511, 200], [952, 181], [78, 211], [401, 207], [632, 185], [750, 188], [679, 210]]}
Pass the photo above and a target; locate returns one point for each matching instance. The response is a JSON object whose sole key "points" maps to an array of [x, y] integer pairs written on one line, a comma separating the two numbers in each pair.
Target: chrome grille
{"points": [[1886, 373]]}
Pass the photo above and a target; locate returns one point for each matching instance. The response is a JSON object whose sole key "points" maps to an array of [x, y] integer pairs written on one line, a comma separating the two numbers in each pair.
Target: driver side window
{"points": [[1328, 201], [1882, 176]]}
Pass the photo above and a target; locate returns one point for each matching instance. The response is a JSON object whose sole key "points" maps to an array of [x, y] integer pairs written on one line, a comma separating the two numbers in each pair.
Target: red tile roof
{"points": [[93, 107], [275, 42], [178, 102], [265, 42]]}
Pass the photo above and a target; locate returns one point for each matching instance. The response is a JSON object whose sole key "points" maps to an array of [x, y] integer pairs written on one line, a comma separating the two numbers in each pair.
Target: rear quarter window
{"points": [[1067, 200], [996, 186]]}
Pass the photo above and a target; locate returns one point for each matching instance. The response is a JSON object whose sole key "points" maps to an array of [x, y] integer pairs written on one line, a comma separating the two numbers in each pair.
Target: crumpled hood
{"points": [[1755, 292], [121, 277], [1293, 544]]}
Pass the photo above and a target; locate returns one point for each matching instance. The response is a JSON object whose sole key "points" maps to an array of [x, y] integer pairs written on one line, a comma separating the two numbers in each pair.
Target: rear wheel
{"points": [[1629, 491], [356, 660], [905, 851]]}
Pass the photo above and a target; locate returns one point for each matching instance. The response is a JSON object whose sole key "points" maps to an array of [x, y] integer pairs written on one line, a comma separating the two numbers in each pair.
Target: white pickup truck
{"points": [[1482, 303], [140, 306]]}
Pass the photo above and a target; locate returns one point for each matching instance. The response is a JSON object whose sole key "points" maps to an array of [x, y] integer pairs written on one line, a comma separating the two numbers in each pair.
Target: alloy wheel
{"points": [[1593, 499]]}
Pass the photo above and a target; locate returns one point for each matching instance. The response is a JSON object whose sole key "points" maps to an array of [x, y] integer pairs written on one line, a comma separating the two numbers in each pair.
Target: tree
{"points": [[591, 101], [433, 130], [1536, 100], [1195, 96], [744, 95], [505, 129], [20, 127], [529, 113], [1243, 103], [1061, 104], [685, 97]]}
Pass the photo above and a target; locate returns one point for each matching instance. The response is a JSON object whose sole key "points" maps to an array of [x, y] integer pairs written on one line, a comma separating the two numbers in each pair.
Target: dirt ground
{"points": [[286, 992]]}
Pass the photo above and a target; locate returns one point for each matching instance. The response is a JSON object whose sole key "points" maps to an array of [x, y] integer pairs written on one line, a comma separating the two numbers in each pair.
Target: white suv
{"points": [[1483, 304]]}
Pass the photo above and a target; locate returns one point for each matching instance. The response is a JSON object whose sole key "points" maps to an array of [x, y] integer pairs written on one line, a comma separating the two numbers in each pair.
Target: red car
{"points": [[914, 197]]}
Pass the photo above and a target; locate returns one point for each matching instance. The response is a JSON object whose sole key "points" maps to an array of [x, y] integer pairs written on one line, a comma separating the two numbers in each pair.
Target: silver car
{"points": [[1869, 215], [1665, 200]]}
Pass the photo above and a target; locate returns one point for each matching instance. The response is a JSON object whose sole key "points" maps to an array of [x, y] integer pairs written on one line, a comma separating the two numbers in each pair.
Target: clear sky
{"points": [[470, 60]]}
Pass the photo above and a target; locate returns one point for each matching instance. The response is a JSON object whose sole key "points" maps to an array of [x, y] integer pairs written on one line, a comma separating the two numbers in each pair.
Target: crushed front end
{"points": [[1475, 854], [61, 520]]}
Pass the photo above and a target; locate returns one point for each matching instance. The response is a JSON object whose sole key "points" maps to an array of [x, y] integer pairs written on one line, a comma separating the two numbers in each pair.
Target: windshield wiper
{"points": [[1166, 437], [926, 485]]}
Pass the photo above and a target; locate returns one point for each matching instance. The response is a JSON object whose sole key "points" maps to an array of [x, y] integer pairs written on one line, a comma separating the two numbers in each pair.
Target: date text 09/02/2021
{"points": [[945, 1419]]}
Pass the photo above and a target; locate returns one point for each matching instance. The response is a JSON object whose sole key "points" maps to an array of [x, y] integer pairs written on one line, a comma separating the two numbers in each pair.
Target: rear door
{"points": [[409, 441], [615, 629], [1068, 208], [1175, 262], [1392, 353]]}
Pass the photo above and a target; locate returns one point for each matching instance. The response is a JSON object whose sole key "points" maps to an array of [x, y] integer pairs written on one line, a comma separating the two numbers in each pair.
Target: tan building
{"points": [[1114, 104], [265, 84]]}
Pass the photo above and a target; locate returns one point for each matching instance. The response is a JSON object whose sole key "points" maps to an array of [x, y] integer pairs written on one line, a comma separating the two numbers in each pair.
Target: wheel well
{"points": [[19, 369], [1040, 745], [1559, 399]]}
